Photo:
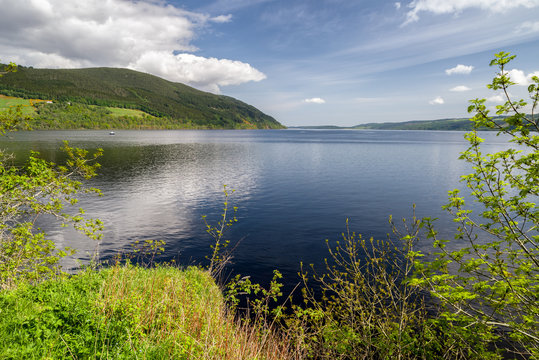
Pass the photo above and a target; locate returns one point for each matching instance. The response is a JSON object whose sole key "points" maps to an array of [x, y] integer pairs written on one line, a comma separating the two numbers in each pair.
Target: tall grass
{"points": [[129, 312]]}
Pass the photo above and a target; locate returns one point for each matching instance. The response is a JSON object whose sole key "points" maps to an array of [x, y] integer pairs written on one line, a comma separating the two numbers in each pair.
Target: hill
{"points": [[459, 124], [462, 124], [180, 104]]}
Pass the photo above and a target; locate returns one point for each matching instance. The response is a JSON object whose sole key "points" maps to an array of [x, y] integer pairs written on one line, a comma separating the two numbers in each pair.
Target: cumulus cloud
{"points": [[520, 77], [397, 5], [205, 73], [437, 101], [456, 7], [459, 69], [146, 36], [460, 88], [315, 100]]}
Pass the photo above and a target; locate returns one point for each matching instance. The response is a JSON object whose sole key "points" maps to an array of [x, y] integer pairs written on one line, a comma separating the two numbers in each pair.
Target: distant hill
{"points": [[123, 88], [460, 124]]}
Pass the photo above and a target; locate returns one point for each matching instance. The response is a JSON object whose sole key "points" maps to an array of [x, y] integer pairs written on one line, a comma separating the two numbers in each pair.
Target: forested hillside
{"points": [[459, 124], [175, 103], [463, 124]]}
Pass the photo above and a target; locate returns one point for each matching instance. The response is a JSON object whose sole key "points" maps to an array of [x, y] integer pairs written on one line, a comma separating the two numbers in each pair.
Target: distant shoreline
{"points": [[458, 124]]}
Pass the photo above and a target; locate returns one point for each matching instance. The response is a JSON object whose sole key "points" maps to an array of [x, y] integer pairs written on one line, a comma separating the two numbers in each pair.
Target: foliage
{"points": [[70, 115], [491, 283], [80, 116], [144, 252], [9, 68], [12, 118], [260, 303], [254, 306], [182, 105], [362, 307], [126, 312], [219, 259], [257, 298], [38, 188]]}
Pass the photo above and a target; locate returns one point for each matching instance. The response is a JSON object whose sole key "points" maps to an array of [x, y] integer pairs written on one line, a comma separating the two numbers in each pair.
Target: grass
{"points": [[9, 102], [126, 112], [128, 312]]}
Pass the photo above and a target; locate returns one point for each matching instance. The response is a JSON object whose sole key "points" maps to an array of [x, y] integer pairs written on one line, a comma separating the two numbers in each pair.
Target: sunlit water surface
{"points": [[294, 188]]}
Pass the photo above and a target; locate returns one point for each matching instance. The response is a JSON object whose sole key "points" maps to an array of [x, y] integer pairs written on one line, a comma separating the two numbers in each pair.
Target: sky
{"points": [[304, 62]]}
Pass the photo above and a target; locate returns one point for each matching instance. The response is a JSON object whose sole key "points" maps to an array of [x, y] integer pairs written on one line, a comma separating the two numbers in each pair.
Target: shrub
{"points": [[30, 191], [495, 288]]}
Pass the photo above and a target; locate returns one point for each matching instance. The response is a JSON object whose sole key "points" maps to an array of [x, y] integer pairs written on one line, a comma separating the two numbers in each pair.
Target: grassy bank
{"points": [[126, 312]]}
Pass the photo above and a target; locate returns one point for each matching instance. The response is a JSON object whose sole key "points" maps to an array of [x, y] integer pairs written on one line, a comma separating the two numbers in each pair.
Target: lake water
{"points": [[294, 188]]}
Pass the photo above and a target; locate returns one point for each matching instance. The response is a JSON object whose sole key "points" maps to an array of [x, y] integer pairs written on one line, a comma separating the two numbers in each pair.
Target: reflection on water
{"points": [[294, 189]]}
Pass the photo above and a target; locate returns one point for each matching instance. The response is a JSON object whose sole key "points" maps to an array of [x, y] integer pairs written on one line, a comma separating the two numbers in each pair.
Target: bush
{"points": [[495, 289], [28, 192]]}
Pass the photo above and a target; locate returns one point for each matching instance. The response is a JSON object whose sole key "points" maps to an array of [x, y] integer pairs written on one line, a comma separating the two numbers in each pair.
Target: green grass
{"points": [[126, 312], [8, 102], [126, 112]]}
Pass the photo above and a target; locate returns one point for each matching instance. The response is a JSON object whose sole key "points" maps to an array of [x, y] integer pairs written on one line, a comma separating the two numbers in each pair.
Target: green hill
{"points": [[459, 124], [179, 104], [463, 124]]}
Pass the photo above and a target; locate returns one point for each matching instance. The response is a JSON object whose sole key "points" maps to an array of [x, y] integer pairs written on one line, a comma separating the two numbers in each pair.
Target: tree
{"points": [[491, 284], [11, 67], [27, 192]]}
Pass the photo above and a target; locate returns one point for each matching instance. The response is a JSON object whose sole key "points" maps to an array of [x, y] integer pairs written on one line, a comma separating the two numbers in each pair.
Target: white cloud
{"points": [[205, 73], [496, 99], [456, 7], [146, 36], [460, 88], [528, 27], [520, 78], [459, 69], [437, 101], [397, 5], [222, 18], [315, 100]]}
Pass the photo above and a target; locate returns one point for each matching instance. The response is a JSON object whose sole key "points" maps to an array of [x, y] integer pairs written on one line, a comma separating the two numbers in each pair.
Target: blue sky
{"points": [[305, 62]]}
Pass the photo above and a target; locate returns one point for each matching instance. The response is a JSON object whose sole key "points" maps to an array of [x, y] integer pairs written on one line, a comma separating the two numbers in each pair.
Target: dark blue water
{"points": [[294, 188]]}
